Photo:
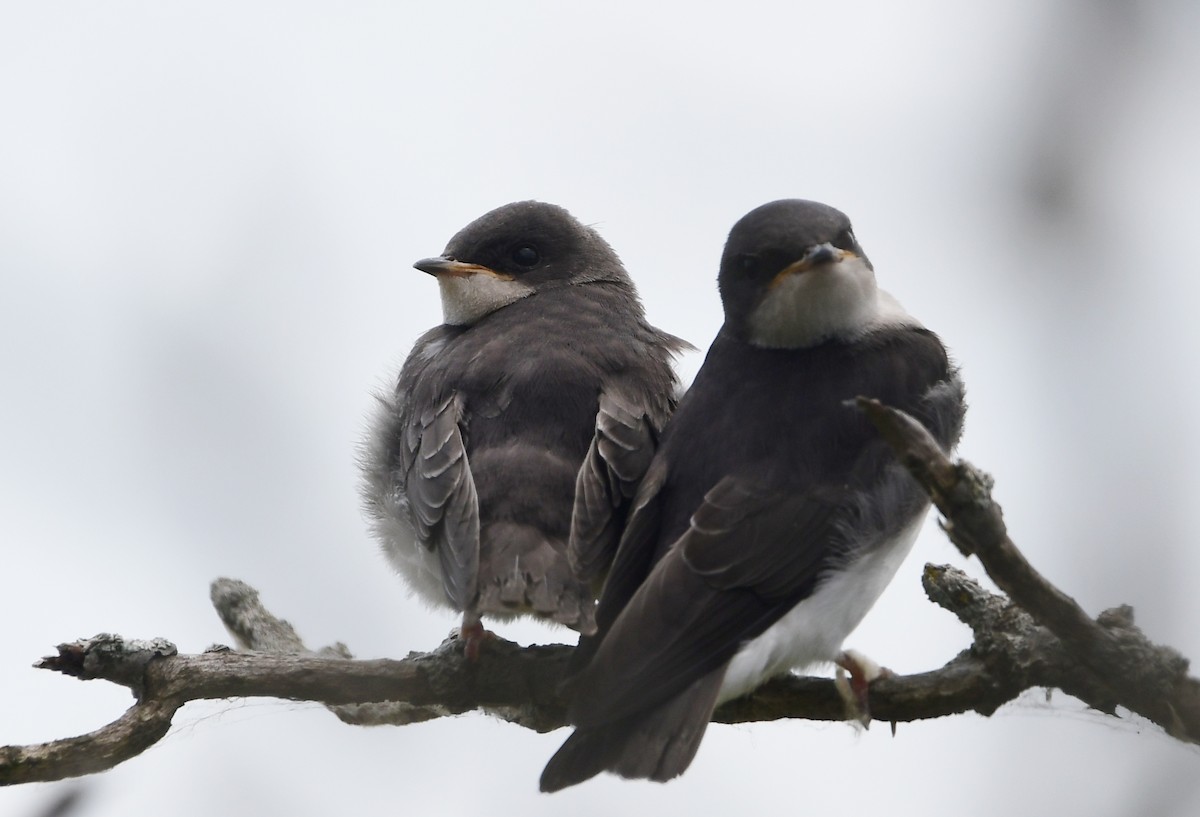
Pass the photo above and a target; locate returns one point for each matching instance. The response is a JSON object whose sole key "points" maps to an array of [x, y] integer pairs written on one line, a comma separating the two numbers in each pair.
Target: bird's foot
{"points": [[473, 635], [855, 689]]}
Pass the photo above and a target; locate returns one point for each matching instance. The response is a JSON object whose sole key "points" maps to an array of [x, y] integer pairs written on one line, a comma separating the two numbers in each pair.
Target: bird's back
{"points": [[529, 377]]}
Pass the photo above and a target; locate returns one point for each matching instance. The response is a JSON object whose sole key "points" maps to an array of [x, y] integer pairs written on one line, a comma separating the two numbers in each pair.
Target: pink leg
{"points": [[473, 635], [855, 691]]}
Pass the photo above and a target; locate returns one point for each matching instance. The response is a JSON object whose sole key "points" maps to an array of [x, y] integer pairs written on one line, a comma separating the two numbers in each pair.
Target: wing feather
{"points": [[619, 454], [744, 561], [441, 493]]}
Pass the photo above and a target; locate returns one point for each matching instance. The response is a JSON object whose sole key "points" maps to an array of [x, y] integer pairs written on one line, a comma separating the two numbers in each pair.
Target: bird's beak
{"points": [[819, 255], [442, 265]]}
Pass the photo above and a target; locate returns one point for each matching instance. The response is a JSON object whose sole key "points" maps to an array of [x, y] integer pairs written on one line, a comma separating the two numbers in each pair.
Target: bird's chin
{"points": [[467, 299], [834, 301]]}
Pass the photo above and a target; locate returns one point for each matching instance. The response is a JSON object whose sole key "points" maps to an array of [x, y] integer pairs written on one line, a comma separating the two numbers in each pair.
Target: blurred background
{"points": [[208, 213]]}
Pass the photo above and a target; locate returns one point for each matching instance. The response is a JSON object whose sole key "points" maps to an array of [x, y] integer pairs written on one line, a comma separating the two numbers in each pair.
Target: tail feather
{"points": [[525, 570], [656, 745]]}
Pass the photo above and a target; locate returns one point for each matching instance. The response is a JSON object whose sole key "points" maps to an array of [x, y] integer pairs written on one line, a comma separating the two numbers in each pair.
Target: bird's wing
{"points": [[632, 562], [441, 494], [620, 452], [747, 557], [741, 538]]}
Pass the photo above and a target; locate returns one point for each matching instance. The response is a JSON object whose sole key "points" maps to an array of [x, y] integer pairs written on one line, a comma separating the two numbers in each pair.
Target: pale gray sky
{"points": [[208, 213]]}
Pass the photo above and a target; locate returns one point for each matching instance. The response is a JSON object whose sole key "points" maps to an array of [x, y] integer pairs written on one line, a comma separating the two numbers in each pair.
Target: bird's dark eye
{"points": [[526, 255], [747, 263]]}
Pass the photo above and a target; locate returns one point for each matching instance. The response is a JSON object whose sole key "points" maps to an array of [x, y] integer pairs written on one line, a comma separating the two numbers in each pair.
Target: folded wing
{"points": [[441, 494]]}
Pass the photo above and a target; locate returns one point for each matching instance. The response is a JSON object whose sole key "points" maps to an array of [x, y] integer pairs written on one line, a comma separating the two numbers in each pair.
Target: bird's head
{"points": [[793, 275], [513, 252]]}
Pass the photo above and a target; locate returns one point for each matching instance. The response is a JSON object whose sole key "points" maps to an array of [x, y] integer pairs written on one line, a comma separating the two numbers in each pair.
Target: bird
{"points": [[544, 388], [772, 515]]}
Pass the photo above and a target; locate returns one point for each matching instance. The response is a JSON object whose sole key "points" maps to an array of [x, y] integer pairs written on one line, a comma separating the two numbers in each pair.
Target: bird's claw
{"points": [[855, 672], [473, 635]]}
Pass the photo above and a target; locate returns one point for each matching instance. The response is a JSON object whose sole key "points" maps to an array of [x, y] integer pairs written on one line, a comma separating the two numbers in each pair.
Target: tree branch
{"points": [[1146, 678], [1039, 638]]}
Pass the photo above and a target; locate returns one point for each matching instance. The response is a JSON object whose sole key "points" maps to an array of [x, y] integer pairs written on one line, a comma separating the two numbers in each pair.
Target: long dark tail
{"points": [[656, 745]]}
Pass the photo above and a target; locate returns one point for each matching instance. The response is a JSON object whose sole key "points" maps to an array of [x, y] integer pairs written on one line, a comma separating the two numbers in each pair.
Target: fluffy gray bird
{"points": [[773, 515], [545, 389]]}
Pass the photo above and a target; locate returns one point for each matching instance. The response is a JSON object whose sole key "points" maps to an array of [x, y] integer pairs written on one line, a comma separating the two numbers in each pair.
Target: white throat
{"points": [[467, 298], [836, 301]]}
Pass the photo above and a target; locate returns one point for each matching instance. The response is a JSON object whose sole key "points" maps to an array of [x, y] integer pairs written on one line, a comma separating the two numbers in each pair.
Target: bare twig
{"points": [[1011, 654], [1039, 638], [1144, 677], [256, 628]]}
